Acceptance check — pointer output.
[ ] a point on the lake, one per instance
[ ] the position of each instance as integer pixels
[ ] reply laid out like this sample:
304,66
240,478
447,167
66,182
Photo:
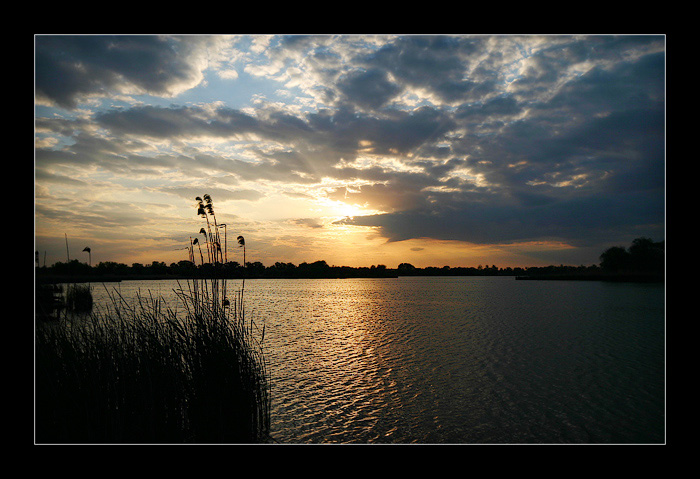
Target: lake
456,360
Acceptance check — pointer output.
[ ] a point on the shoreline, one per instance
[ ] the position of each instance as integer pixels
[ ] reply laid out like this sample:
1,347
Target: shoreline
609,277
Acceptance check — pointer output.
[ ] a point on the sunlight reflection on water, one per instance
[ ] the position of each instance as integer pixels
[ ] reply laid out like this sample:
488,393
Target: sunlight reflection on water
457,360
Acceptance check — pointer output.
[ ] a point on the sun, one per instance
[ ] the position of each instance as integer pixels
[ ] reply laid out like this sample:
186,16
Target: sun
341,208
344,210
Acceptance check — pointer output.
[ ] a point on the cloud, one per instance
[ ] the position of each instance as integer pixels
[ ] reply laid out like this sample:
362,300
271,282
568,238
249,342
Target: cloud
282,146
379,196
578,221
586,165
70,68
308,222
368,89
481,139
174,122
220,194
99,216
439,64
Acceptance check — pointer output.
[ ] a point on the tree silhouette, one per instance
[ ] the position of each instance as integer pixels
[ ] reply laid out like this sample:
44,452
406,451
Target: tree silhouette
643,255
615,258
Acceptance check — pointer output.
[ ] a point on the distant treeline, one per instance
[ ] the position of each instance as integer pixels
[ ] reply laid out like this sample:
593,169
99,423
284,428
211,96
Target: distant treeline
643,261
643,257
232,269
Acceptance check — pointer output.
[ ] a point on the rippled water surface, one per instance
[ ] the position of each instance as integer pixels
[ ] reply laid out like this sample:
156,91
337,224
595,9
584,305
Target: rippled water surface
458,359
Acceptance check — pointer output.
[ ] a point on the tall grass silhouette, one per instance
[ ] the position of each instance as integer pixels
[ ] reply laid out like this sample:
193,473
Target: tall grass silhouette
142,372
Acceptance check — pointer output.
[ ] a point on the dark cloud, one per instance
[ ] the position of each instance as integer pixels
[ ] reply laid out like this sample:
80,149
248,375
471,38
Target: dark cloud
504,105
174,122
70,67
368,89
393,133
436,63
386,197
629,84
578,221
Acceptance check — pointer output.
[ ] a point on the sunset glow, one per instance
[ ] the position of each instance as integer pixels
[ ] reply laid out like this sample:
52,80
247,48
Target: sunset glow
357,150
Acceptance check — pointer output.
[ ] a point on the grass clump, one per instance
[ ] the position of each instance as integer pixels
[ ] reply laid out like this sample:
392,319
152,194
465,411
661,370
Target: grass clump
142,373
79,298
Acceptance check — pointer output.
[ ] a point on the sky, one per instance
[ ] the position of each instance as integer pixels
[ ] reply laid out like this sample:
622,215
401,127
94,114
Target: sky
457,150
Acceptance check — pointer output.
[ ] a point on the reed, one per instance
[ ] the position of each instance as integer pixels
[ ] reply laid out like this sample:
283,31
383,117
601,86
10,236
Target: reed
79,298
144,373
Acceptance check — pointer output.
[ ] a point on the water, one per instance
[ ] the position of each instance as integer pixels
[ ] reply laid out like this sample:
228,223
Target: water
457,360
